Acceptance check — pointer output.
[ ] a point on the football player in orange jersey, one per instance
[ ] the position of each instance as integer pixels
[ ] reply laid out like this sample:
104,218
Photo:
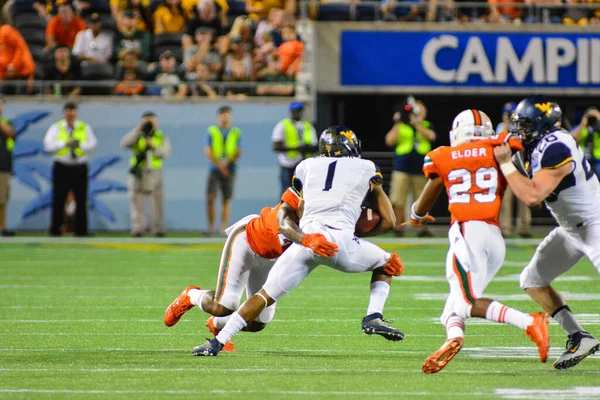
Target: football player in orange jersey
470,174
252,247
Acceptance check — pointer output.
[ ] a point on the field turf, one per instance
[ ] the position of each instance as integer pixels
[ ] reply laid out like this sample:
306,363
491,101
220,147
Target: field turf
84,321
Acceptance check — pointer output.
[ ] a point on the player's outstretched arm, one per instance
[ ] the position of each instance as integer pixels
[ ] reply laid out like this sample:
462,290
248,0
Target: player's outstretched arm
531,191
288,226
419,211
384,208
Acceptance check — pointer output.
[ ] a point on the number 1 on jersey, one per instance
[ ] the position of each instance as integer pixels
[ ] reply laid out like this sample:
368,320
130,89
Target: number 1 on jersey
330,174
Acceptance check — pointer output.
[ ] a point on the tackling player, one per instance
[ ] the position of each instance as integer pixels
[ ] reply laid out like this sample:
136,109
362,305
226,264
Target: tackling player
563,179
334,187
475,188
250,251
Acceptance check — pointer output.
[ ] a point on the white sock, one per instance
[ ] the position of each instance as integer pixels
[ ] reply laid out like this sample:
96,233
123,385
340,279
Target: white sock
379,294
498,312
235,324
455,327
196,295
220,322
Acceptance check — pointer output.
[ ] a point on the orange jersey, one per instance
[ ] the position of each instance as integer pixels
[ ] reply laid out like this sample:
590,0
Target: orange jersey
262,233
472,178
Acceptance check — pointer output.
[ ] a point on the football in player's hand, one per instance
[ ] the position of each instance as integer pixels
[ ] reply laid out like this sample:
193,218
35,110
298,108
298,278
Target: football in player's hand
368,220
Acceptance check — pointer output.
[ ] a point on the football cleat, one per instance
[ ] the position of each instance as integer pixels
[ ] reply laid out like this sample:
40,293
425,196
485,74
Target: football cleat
579,346
538,333
210,324
374,324
178,307
210,348
438,360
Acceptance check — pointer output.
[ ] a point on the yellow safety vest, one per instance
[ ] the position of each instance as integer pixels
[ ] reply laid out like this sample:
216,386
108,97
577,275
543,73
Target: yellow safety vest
10,142
585,132
406,140
226,147
157,140
292,139
79,134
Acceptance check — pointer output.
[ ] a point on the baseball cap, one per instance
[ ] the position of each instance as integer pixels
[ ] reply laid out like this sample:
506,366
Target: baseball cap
296,106
223,109
166,54
95,17
70,105
148,114
509,107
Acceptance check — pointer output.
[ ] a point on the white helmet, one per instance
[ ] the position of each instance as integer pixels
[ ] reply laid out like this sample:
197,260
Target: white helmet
470,125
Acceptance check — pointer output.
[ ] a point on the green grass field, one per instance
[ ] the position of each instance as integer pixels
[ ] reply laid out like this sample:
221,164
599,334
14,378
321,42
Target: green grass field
85,321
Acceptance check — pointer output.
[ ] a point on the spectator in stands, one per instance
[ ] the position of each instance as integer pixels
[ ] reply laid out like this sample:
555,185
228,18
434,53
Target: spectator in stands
265,53
7,144
63,28
294,139
576,15
272,25
15,58
272,74
63,69
238,64
290,52
131,85
170,17
193,7
170,79
129,62
199,86
223,150
93,45
504,11
130,38
411,136
203,53
45,8
202,16
587,134
410,12
142,17
259,9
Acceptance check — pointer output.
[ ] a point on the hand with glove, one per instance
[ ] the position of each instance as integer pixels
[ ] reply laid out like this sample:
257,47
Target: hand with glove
394,266
416,220
319,244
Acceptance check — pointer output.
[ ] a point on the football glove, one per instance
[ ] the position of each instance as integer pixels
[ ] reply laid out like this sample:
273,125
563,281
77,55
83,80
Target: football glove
394,266
417,220
319,244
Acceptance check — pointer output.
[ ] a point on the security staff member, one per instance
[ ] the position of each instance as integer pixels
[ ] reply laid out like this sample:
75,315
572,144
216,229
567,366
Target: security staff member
223,149
411,136
150,147
587,134
7,143
71,141
294,139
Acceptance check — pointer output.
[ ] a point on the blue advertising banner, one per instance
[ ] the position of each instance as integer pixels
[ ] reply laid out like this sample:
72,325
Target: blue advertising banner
470,59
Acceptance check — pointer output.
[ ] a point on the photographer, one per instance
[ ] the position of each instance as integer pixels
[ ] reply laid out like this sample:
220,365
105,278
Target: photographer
150,147
7,143
587,135
411,136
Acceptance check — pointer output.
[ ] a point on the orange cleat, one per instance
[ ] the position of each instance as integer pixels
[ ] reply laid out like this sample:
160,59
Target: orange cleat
179,307
538,333
210,324
438,360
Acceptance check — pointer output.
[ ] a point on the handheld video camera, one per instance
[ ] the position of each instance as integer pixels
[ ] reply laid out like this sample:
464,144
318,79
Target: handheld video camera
409,108
593,122
146,131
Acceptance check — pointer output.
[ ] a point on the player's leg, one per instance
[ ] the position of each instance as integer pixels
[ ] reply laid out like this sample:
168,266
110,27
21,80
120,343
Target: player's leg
256,280
288,272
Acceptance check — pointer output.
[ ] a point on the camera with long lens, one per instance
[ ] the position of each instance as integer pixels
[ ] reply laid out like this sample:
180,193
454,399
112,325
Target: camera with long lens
409,108
146,131
592,123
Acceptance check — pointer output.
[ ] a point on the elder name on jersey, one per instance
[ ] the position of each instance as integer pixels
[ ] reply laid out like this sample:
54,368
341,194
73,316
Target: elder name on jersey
466,153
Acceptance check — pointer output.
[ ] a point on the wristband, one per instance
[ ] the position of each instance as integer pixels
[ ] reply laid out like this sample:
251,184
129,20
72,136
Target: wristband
414,215
508,168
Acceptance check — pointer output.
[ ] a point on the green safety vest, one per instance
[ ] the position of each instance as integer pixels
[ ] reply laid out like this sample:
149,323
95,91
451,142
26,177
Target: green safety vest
157,140
10,142
406,140
585,132
292,139
80,134
230,145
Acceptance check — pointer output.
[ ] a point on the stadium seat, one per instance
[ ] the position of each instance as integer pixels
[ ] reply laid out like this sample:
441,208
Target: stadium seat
176,50
154,5
366,12
34,36
22,7
334,12
108,23
100,6
39,71
37,52
237,8
29,20
92,72
167,39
